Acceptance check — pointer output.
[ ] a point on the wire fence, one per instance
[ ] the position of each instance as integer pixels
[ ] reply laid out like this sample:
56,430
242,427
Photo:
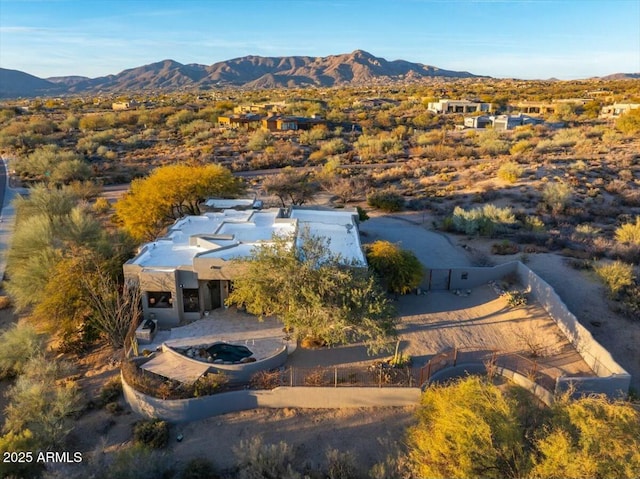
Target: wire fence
491,359
377,375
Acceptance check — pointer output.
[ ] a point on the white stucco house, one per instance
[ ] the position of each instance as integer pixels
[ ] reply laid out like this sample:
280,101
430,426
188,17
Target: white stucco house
189,272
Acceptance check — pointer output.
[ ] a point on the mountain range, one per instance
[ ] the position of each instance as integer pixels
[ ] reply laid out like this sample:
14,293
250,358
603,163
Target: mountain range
356,68
251,72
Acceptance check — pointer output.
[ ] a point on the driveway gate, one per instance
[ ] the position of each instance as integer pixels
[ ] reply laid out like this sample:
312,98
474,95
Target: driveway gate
439,279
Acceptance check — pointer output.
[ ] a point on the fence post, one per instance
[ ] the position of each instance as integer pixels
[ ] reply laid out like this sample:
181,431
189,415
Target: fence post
380,376
455,356
291,376
335,377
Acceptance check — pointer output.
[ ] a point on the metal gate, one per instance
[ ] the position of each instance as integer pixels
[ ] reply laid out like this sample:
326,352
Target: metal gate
439,279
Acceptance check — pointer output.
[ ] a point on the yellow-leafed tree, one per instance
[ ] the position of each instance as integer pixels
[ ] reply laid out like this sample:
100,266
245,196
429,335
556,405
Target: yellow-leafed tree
169,193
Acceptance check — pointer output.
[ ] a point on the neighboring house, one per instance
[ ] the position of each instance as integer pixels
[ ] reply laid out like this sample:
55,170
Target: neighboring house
274,107
509,122
271,123
288,123
124,105
481,121
500,122
617,109
445,106
190,271
546,107
375,102
248,122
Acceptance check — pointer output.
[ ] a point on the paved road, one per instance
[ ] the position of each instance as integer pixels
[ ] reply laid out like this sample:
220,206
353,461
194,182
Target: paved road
6,215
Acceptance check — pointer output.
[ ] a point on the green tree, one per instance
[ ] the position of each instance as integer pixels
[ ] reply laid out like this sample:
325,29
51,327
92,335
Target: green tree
169,193
313,292
589,437
399,269
467,429
471,428
629,123
290,185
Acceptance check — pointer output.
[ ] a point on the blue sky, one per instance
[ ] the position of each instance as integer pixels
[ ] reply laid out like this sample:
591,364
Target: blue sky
502,38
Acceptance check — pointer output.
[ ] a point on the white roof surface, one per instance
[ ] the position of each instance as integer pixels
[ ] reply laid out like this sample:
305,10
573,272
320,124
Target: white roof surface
234,234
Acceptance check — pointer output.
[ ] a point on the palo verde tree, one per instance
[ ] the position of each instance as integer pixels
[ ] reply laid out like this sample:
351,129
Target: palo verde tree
398,269
466,429
470,428
169,193
312,291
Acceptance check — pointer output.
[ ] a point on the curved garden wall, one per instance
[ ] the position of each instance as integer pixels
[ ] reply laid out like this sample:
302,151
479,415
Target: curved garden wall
183,410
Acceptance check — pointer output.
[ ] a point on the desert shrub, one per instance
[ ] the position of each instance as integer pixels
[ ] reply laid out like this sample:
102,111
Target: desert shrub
198,468
341,465
101,205
629,123
259,140
266,379
485,220
521,147
504,248
210,383
133,462
20,343
151,432
516,298
43,402
616,276
110,392
534,224
556,196
257,460
18,442
510,172
616,186
629,232
399,269
388,200
490,143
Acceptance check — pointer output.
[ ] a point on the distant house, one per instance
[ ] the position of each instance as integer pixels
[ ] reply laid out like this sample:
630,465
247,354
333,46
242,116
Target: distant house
247,122
124,105
481,121
251,121
547,107
617,109
509,122
500,122
445,106
190,271
375,102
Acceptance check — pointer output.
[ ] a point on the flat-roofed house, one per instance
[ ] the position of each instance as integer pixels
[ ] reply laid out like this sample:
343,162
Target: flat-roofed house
445,106
617,109
190,271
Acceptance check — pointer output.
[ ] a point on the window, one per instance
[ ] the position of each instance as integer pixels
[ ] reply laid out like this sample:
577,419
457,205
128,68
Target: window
464,276
159,299
190,301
